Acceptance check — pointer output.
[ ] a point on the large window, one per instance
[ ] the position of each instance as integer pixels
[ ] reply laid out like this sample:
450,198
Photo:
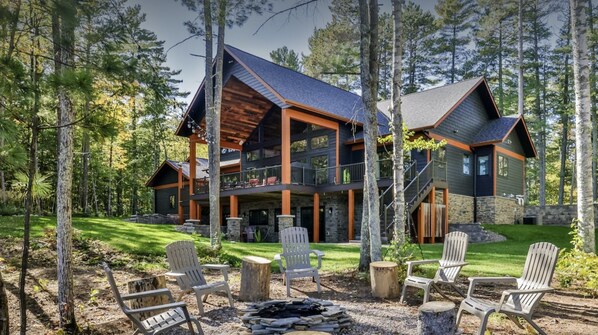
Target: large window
272,151
252,155
299,146
319,142
258,217
483,166
503,166
466,164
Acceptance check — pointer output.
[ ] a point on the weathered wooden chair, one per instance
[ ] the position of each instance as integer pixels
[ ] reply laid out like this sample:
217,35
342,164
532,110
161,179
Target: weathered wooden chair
175,312
521,302
453,259
296,252
185,267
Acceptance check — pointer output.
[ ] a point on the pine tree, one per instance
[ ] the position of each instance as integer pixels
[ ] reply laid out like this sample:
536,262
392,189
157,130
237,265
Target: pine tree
286,57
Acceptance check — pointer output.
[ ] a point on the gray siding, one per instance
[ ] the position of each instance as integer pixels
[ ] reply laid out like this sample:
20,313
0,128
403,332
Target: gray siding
485,184
513,143
513,182
421,156
162,198
467,120
458,182
168,177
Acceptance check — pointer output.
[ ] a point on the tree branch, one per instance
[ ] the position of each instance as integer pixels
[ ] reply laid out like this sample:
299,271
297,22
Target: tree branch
287,10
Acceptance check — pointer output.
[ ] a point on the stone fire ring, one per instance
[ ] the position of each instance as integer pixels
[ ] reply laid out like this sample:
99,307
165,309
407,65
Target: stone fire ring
283,316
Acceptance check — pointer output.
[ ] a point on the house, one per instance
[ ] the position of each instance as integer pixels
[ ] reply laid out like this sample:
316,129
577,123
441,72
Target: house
299,146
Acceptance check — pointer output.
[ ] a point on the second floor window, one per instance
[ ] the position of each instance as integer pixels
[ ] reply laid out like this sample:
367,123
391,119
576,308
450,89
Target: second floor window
272,151
253,155
299,146
483,168
319,142
503,166
466,164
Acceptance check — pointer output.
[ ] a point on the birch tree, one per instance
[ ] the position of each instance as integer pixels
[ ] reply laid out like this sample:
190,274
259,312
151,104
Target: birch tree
583,125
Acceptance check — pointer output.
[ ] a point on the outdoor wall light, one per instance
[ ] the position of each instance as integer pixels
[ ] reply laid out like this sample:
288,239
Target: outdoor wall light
329,210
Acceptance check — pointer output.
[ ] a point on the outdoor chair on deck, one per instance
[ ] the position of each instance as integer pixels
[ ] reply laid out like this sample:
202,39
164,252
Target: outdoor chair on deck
185,267
175,312
453,259
296,252
521,302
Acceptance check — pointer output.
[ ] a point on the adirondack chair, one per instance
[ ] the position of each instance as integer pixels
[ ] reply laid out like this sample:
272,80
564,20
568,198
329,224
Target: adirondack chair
453,259
296,252
521,302
185,267
176,312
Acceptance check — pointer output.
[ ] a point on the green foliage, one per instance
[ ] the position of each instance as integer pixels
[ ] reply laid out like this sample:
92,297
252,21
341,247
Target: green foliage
208,255
576,268
286,57
401,254
410,142
42,187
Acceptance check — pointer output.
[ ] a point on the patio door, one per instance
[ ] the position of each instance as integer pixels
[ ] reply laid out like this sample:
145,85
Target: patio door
307,221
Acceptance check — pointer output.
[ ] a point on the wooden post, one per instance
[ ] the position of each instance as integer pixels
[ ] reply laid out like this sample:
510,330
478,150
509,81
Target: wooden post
316,217
192,169
255,279
179,194
420,224
147,284
234,206
436,318
385,279
286,202
285,150
433,214
351,214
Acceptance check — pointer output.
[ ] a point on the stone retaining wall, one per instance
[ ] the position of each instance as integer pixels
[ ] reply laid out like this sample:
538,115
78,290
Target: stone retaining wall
155,218
554,215
460,208
499,210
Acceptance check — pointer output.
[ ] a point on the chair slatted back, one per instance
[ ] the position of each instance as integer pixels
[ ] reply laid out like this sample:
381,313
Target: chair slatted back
537,273
295,247
182,258
118,298
453,252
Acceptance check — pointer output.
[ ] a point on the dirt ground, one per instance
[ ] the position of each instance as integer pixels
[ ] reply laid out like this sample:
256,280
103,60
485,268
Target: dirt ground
561,312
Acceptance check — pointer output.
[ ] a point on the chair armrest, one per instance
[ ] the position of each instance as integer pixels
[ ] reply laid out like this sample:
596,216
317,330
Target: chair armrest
157,308
319,254
473,281
516,293
278,258
174,274
456,265
222,267
412,264
152,293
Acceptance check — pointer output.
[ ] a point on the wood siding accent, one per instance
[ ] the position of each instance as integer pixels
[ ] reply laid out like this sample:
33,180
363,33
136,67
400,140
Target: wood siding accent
286,203
510,153
234,206
163,186
351,214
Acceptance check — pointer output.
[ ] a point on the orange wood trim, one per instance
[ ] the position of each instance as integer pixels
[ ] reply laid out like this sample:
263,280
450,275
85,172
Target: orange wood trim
286,202
433,213
321,112
510,153
179,193
358,147
192,169
351,213
451,142
286,148
429,155
420,224
494,171
172,185
224,144
234,206
316,217
445,196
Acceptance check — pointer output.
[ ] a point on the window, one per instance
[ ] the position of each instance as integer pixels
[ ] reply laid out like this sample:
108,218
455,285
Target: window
299,146
252,155
483,166
442,154
320,164
272,151
319,142
172,201
466,164
258,217
503,166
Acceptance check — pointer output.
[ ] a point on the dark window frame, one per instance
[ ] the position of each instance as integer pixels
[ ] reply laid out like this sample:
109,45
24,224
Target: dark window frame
467,163
486,165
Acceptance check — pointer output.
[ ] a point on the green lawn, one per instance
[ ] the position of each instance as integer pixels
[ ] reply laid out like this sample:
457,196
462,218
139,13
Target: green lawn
503,258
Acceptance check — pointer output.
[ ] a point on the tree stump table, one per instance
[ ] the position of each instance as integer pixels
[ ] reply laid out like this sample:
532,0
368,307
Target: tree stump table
385,279
255,279
148,284
436,318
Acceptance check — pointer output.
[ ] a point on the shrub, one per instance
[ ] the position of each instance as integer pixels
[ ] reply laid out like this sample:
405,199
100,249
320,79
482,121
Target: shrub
577,268
401,254
207,255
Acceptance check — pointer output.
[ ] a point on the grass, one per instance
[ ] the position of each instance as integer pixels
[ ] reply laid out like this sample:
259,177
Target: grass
489,259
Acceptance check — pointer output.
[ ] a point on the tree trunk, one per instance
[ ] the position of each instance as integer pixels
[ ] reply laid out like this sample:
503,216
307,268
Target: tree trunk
520,61
540,115
365,257
85,155
565,123
144,285
255,279
453,53
135,166
384,277
397,129
593,88
501,92
4,317
110,180
64,229
583,125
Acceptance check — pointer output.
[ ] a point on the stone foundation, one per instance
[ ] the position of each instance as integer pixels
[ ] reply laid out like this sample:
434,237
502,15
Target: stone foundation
284,222
233,229
554,215
460,208
499,210
155,218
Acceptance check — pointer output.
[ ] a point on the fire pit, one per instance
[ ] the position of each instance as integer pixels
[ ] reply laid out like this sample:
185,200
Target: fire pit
282,316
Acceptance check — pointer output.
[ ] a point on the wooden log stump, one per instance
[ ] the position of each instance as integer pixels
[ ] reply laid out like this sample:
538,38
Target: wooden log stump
436,318
148,284
385,279
255,279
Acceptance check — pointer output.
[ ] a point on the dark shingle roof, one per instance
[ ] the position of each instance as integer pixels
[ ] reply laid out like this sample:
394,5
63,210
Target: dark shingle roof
424,109
495,130
297,87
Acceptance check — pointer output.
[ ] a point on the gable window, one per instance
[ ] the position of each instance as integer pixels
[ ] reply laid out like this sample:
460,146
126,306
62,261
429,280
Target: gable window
503,166
258,217
252,155
466,164
299,146
172,201
319,142
483,166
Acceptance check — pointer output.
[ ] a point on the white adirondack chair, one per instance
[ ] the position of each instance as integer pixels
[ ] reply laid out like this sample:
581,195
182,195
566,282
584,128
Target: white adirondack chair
521,302
296,252
185,267
453,259
175,312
